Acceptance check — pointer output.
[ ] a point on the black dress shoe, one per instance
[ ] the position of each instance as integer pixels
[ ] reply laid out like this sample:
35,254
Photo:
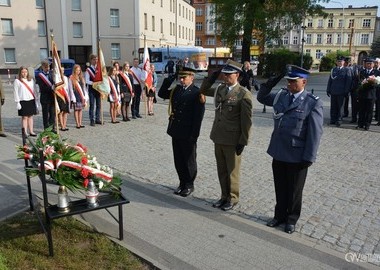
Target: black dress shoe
290,228
92,124
228,206
178,190
219,203
186,191
3,135
98,122
138,116
33,135
274,223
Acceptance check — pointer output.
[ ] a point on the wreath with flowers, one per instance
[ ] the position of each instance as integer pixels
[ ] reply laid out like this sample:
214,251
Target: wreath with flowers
67,164
369,83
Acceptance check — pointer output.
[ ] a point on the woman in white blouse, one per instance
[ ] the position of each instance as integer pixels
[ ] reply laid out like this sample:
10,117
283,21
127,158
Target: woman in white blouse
25,97
78,94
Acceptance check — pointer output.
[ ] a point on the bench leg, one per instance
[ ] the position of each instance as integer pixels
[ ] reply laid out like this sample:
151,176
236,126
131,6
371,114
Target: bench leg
121,227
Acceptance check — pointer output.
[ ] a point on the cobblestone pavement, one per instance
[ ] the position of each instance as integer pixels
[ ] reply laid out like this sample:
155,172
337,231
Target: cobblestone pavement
341,205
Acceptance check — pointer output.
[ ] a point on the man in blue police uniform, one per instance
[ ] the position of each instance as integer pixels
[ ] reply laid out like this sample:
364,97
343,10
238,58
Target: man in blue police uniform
338,87
185,118
298,121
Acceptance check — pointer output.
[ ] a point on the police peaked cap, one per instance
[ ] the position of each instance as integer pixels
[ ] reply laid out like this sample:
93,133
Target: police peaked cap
296,72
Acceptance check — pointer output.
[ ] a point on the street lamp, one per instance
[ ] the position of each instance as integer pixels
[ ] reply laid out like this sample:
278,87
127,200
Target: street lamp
341,30
303,27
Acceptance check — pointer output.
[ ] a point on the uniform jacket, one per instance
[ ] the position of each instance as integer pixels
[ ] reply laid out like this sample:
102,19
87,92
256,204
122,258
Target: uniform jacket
340,81
186,112
297,127
46,91
367,92
233,114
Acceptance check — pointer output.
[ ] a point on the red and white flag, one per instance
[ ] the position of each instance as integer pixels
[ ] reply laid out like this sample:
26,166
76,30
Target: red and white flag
57,74
101,83
146,68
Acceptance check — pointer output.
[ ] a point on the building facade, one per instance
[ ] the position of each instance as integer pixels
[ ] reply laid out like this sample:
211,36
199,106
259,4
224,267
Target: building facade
347,29
121,26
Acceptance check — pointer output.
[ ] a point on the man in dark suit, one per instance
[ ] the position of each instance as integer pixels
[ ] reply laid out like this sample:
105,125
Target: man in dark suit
367,94
185,119
45,83
230,130
298,121
338,87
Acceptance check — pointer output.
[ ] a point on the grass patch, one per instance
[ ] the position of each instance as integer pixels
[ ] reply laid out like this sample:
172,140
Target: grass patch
23,245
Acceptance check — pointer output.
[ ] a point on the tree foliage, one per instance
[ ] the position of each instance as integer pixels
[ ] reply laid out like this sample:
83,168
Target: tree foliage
241,17
375,48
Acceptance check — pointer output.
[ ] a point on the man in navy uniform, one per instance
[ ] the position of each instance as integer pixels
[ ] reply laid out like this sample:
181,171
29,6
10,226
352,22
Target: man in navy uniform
338,87
230,130
367,94
298,121
185,119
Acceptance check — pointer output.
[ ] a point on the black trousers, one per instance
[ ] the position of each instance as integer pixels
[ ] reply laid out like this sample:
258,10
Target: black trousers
136,100
336,108
48,114
365,112
354,105
289,180
185,161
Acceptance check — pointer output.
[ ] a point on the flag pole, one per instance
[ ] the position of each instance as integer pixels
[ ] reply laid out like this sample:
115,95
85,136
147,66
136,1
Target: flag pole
145,86
101,95
55,95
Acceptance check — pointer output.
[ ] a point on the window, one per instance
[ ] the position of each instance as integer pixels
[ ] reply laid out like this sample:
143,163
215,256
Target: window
198,26
41,28
179,7
10,55
366,23
114,18
145,21
162,3
39,3
308,39
349,38
338,38
364,39
328,51
319,38
320,23
179,31
43,53
309,23
210,41
199,12
198,41
318,54
330,23
171,29
161,26
115,51
285,41
340,23
7,26
77,30
238,42
329,39
76,5
308,51
295,40
351,23
153,24
211,26
254,42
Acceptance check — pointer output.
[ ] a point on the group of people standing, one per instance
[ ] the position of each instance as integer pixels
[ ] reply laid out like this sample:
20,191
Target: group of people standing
298,121
78,91
357,82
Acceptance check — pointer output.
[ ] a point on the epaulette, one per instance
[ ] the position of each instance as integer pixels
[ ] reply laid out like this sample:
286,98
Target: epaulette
313,96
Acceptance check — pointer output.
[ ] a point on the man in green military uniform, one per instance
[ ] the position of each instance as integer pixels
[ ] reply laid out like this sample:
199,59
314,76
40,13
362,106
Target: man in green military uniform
230,130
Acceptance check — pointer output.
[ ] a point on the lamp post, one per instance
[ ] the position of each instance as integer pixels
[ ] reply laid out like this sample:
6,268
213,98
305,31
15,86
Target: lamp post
342,26
303,27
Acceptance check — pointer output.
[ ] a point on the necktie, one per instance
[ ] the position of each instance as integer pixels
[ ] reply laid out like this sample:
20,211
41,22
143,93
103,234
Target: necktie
291,97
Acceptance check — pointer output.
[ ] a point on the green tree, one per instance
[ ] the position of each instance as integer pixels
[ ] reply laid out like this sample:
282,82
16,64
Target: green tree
242,17
375,48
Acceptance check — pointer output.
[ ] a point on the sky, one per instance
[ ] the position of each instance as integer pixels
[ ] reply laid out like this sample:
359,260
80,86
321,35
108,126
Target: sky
354,3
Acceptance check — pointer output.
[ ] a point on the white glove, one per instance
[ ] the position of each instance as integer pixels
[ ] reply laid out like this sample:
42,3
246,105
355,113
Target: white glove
37,106
18,106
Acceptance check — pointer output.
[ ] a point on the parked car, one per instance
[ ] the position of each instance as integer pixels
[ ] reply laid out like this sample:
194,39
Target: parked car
66,63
